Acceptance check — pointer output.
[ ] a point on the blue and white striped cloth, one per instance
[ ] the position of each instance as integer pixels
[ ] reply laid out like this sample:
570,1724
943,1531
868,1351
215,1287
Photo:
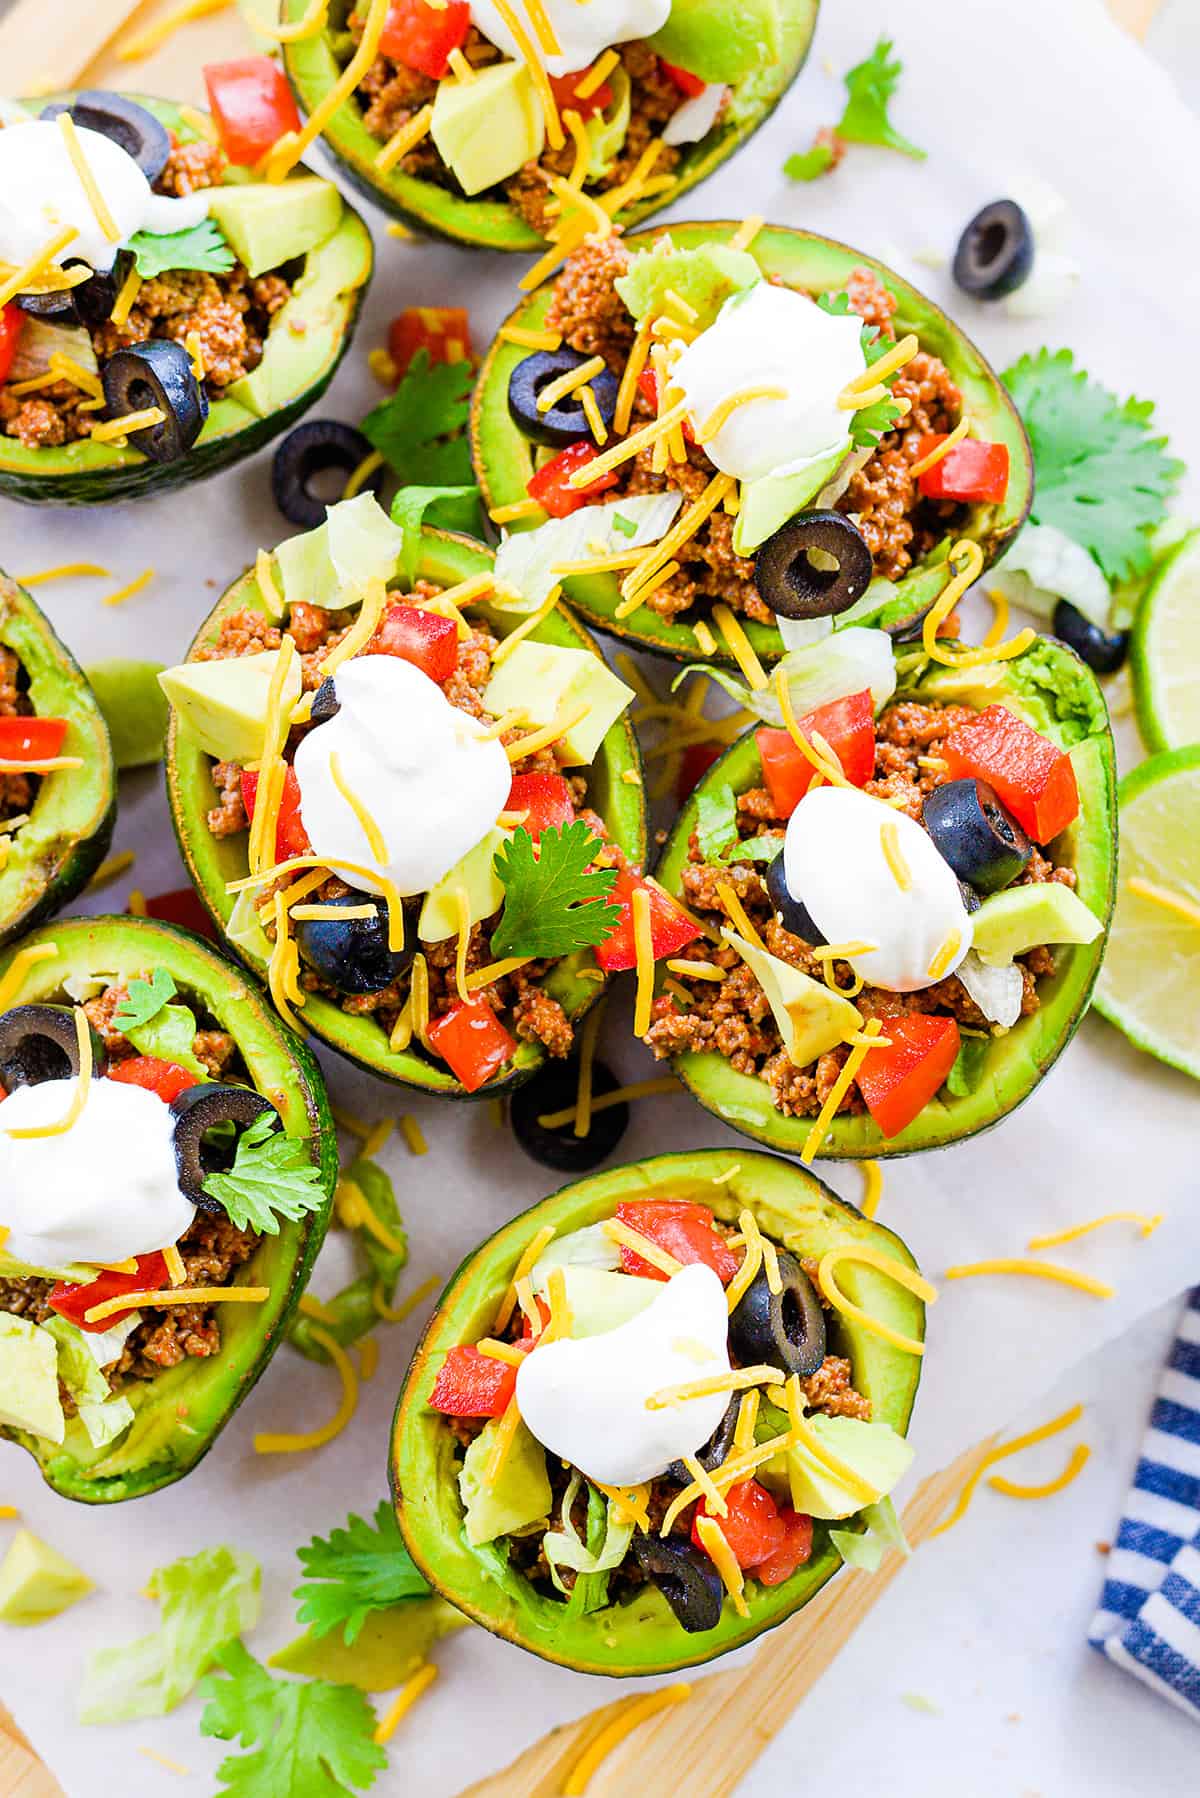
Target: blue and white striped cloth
1149,1616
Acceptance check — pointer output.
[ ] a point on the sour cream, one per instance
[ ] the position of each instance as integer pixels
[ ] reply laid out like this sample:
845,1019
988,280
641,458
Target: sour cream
772,337
40,192
419,767
586,1400
101,1191
836,865
582,30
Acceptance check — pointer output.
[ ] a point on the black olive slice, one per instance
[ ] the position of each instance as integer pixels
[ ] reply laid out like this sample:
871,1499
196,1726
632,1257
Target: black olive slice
553,1089
89,304
132,126
995,252
791,913
54,308
792,584
38,1042
785,1329
352,954
715,1450
325,703
322,447
686,1578
566,422
1102,653
157,373
971,830
196,1112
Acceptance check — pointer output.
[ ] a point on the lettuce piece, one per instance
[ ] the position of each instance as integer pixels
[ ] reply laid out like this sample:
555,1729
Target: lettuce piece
525,562
102,1413
590,1246
331,566
564,1548
884,1530
997,991
841,664
1043,566
169,1035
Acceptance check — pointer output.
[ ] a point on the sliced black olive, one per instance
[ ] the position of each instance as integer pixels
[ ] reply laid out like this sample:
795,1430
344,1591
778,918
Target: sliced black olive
90,304
1101,652
791,913
971,830
792,584
55,308
566,422
553,1089
995,252
325,704
196,1112
38,1042
686,1578
157,373
785,1329
352,954
137,131
322,448
715,1450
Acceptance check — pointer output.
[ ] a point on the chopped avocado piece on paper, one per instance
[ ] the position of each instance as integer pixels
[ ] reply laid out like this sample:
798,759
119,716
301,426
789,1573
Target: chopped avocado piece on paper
29,1379
475,873
876,1452
599,1301
546,682
812,1018
134,708
704,277
269,224
486,129
519,1497
223,705
331,566
36,1582
388,1648
721,40
1009,923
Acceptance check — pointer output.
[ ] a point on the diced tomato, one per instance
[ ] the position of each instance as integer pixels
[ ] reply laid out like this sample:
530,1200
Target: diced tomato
971,471
182,906
73,1301
252,105
753,1527
683,1229
473,1040
291,838
648,387
444,331
166,1079
1028,773
550,485
31,739
426,639
586,105
11,320
422,36
898,1082
847,725
670,929
796,1549
469,1384
546,798
684,80
697,759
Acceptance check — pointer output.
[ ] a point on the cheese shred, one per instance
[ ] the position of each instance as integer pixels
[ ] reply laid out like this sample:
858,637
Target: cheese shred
1028,1440
837,1093
1036,1270
867,1256
404,1700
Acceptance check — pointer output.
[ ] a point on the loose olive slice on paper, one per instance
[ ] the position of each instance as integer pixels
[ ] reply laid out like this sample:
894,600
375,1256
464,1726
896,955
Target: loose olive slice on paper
995,252
321,448
39,1042
795,585
199,1111
686,1578
554,1089
157,373
785,1329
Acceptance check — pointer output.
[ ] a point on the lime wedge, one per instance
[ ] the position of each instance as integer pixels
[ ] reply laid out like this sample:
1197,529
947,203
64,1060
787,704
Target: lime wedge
1149,983
134,707
1165,652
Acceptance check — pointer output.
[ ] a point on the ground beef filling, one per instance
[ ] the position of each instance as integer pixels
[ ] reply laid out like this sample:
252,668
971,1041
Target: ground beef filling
733,1018
17,791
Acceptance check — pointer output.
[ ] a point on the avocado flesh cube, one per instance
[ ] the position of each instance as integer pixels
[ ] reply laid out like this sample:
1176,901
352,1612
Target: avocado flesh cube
769,502
874,1451
488,128
1009,923
811,1017
387,1650
599,1301
268,224
704,277
36,1582
29,1379
223,704
721,40
517,1499
545,682
473,874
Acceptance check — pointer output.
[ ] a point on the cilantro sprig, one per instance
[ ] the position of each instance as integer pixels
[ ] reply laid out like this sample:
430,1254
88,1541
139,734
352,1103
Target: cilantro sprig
870,87
869,423
420,431
200,247
144,1000
308,1739
271,1177
354,1571
551,896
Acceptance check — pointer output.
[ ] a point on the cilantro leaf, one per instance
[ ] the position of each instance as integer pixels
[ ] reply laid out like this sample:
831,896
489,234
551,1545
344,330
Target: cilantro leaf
420,431
716,822
144,1000
361,1568
808,165
550,898
1102,477
271,1177
869,423
309,1739
201,246
869,88
756,849
450,508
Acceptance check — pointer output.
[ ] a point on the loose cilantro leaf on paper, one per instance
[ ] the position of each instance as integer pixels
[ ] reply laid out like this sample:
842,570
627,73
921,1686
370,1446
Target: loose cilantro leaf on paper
200,247
1102,476
309,1738
271,1177
808,165
716,822
870,86
144,1000
420,431
550,898
450,508
869,423
360,1569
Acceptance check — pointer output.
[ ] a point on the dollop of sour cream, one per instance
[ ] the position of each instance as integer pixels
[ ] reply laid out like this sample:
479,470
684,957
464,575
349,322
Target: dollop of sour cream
836,865
420,768
40,192
582,30
586,1400
770,336
101,1191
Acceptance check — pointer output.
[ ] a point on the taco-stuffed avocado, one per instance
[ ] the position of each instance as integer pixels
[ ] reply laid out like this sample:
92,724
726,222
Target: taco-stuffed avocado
555,1475
926,856
446,118
164,1141
430,917
175,290
58,784
809,460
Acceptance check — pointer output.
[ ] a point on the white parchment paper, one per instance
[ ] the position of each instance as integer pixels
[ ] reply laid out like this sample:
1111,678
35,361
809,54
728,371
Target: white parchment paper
998,90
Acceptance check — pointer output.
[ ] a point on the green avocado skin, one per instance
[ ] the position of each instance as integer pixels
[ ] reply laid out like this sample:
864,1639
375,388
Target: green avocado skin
804,260
640,1635
179,1414
92,474
70,827
492,224
1054,692
212,862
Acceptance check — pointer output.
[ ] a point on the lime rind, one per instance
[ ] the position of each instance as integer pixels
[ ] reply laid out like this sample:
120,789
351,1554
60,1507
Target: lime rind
1164,654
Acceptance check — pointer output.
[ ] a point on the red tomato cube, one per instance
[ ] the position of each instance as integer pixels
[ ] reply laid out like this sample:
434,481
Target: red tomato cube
1028,773
252,105
898,1082
847,725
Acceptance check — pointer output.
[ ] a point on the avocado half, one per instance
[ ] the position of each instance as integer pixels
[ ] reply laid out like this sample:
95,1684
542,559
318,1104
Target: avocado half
487,222
71,824
1054,692
802,259
640,1634
212,862
179,1414
310,335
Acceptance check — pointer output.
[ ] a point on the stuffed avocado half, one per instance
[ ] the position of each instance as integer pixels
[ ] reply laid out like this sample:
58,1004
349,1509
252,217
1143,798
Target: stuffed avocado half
593,1544
483,160
209,308
463,866
814,470
156,1113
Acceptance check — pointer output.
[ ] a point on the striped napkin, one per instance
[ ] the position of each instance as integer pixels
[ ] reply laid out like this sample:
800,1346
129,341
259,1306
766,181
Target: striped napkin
1149,1616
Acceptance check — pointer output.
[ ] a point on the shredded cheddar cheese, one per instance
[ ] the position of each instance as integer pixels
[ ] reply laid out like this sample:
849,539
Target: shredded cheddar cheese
295,1443
406,138
872,1175
176,1272
521,508
1081,1454
944,955
632,446
178,1295
366,822
1028,1440
867,1256
746,232
621,1095
736,1380
720,415
893,855
566,384
1146,1225
641,1245
636,1711
286,153
837,1093
95,199
527,339
128,591
889,364
22,278
114,429
639,595
942,450
311,23
404,1700
532,1251
737,912
144,43
409,1305
721,1555
747,1273
130,288
537,72
804,1434
64,571
502,1447
1036,1270
550,733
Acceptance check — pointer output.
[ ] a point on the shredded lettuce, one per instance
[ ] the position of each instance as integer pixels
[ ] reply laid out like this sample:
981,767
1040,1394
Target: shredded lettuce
844,663
102,1414
589,1247
1043,566
564,1548
525,562
884,1530
996,991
